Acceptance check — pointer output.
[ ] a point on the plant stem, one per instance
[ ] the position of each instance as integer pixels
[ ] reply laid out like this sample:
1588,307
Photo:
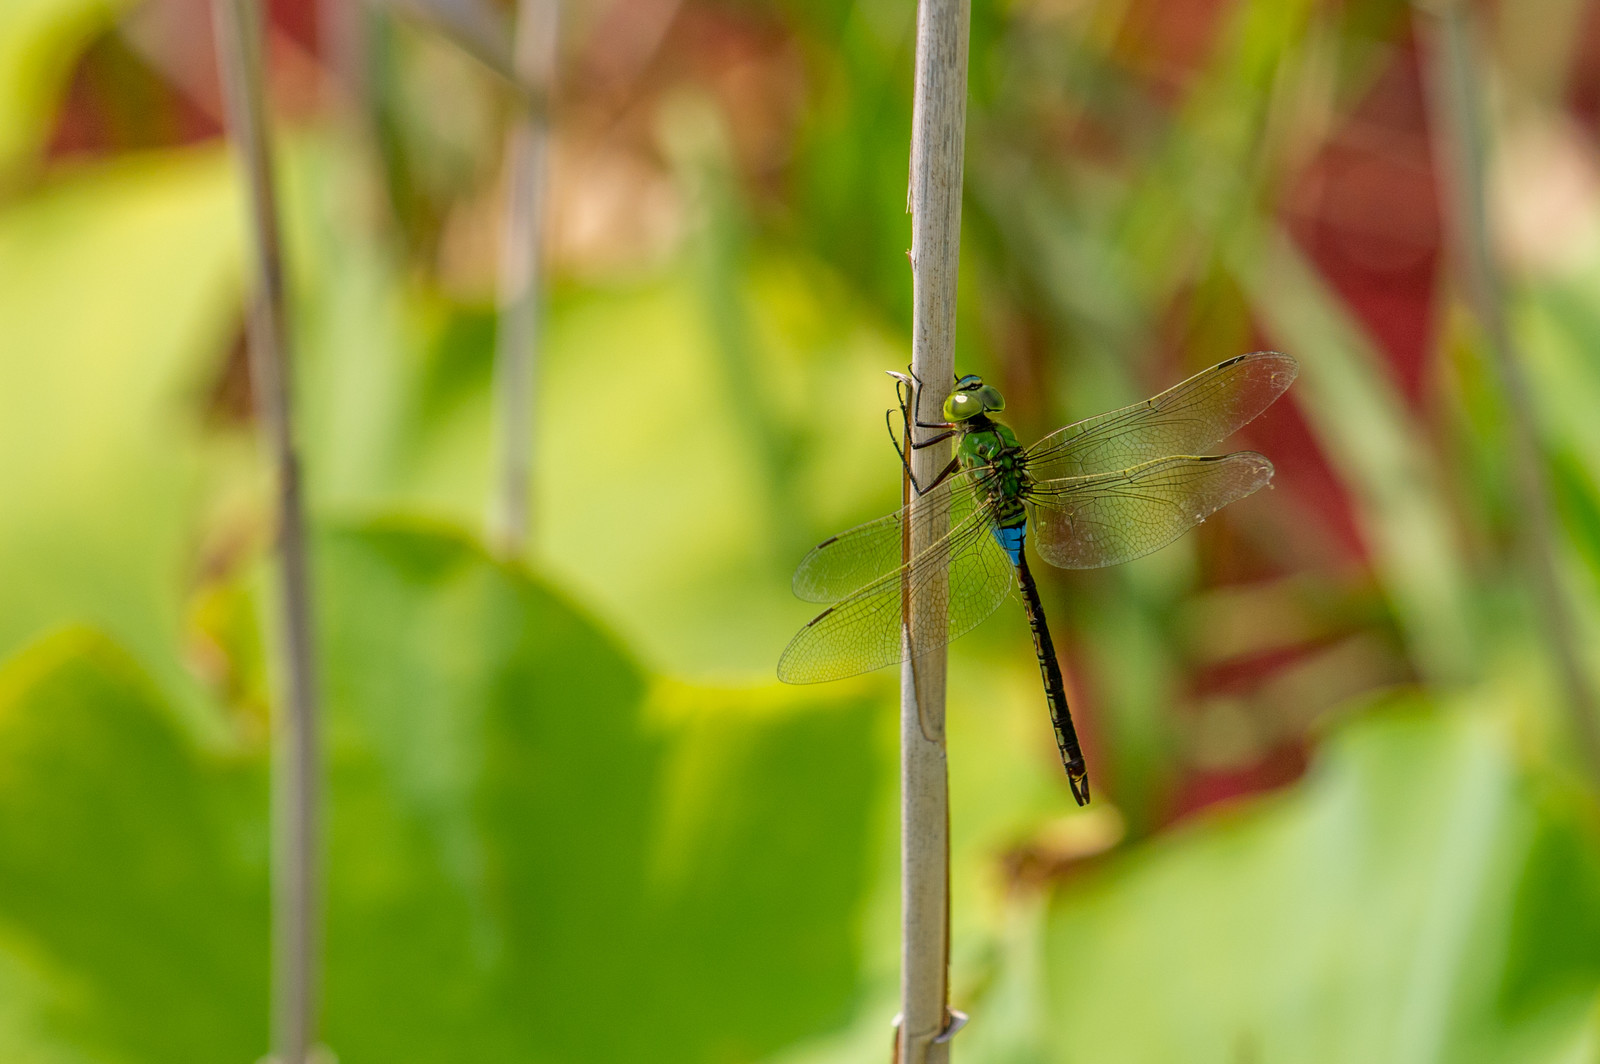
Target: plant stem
296,835
938,132
1457,100
516,362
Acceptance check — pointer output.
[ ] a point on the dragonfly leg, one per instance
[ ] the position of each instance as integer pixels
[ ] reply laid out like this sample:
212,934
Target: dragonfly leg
903,386
905,460
906,388
888,424
903,392
931,440
948,471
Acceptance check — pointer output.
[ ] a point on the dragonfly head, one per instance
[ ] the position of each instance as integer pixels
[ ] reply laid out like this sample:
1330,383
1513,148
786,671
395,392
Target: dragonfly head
971,398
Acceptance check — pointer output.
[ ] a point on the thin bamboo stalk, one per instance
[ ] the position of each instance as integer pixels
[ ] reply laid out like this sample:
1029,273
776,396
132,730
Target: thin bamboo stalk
1456,98
938,133
521,295
296,791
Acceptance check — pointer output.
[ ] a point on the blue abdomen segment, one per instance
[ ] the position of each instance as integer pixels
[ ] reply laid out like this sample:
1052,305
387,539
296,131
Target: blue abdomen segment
1011,539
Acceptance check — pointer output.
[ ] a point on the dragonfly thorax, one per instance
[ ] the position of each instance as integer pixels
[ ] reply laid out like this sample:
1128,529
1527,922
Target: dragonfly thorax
991,450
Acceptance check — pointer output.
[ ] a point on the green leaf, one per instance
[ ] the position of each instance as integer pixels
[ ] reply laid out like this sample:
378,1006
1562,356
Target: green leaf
129,869
535,851
1362,917
550,853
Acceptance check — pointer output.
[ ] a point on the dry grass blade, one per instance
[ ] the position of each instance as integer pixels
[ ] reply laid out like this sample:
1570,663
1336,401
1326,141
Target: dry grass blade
516,362
1456,96
296,827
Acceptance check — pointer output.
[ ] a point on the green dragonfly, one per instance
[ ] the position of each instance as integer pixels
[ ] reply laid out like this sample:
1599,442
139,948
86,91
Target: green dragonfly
1099,492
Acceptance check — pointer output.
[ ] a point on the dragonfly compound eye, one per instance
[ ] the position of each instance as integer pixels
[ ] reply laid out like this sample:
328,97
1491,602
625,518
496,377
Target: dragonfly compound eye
969,402
962,405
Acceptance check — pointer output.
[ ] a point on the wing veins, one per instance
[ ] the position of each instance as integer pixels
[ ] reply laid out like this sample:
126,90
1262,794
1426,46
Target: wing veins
841,565
822,650
1168,414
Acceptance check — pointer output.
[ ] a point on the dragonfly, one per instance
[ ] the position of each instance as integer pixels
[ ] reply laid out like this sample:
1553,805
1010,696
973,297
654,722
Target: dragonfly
1098,492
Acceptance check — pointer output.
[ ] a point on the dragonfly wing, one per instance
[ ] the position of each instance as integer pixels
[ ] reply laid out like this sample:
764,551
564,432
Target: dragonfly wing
865,632
1088,522
1188,418
851,560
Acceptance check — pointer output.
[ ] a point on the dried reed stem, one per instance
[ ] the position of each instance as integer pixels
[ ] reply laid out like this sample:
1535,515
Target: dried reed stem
521,290
296,835
938,132
1456,95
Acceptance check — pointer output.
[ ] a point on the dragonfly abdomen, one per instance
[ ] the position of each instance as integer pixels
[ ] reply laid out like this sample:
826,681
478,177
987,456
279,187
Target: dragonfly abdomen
1011,539
1010,524
1055,688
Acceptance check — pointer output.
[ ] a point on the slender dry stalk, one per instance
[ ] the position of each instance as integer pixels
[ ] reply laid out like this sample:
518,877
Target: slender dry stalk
296,835
521,295
938,133
1456,98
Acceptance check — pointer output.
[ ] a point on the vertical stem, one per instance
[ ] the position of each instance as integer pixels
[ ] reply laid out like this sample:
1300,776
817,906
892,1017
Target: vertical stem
938,132
527,150
296,941
1456,97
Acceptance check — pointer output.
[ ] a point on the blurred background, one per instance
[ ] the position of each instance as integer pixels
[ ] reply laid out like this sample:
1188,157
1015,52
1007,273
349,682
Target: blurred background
1343,810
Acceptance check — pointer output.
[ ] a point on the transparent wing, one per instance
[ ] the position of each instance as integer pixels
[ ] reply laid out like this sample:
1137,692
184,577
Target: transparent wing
1088,522
852,560
863,632
1187,418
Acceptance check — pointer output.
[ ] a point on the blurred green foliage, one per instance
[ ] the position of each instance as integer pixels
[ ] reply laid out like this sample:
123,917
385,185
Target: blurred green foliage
571,815
517,815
